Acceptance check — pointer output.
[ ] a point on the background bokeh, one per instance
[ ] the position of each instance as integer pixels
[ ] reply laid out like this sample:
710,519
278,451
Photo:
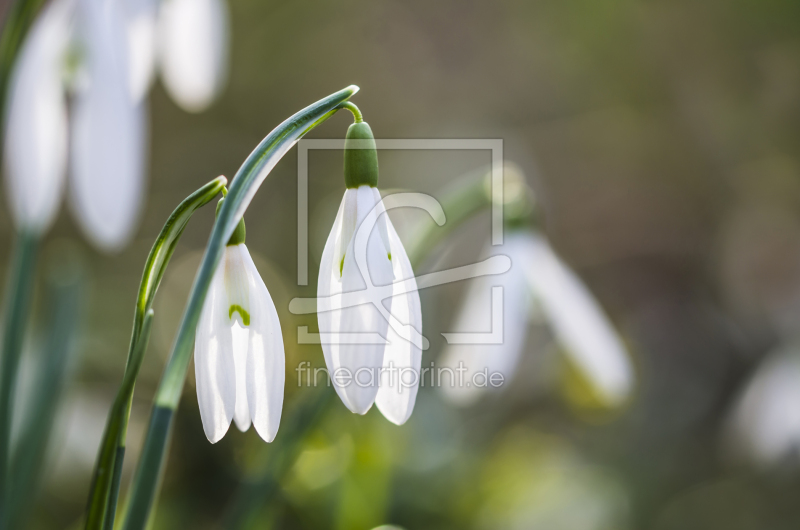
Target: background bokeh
661,139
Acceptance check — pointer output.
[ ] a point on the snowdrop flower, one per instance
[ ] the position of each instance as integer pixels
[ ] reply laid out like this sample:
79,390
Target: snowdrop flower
764,426
193,50
108,133
105,132
363,253
35,137
239,356
140,28
538,280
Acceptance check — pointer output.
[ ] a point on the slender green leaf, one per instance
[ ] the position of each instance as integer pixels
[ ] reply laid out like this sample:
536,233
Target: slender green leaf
19,292
243,187
105,482
64,303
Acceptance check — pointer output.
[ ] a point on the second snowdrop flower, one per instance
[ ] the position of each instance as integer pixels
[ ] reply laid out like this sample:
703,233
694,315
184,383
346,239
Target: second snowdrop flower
538,279
368,360
239,355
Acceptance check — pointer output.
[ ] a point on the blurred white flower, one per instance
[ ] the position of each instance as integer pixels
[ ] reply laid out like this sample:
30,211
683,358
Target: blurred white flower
239,356
193,50
354,255
764,426
35,136
538,280
106,134
141,27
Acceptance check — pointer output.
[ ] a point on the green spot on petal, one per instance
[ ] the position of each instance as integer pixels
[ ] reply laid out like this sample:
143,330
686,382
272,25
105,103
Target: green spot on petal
341,267
390,256
242,312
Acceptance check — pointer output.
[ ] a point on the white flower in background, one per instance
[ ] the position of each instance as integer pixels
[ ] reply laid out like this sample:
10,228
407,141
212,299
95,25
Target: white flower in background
35,136
105,132
476,316
765,424
193,50
355,253
141,24
239,355
579,324
108,132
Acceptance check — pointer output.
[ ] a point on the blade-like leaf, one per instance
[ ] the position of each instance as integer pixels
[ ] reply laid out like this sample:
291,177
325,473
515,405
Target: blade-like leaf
243,187
64,297
19,292
102,499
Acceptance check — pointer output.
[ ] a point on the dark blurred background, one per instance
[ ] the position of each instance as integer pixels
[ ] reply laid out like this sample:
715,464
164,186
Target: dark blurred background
661,139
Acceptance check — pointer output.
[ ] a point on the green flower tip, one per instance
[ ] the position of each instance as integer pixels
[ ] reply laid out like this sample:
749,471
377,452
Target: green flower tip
236,308
239,233
360,156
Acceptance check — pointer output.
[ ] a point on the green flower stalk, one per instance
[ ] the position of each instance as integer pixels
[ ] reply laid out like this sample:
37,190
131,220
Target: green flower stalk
105,481
243,188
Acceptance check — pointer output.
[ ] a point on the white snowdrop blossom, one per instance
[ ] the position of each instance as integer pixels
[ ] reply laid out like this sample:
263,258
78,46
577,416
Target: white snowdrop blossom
764,426
35,137
239,354
366,281
193,50
141,22
538,279
78,45
108,133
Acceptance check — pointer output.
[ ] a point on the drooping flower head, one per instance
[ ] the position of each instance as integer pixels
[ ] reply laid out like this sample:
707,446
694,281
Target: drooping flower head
538,281
361,308
239,353
76,45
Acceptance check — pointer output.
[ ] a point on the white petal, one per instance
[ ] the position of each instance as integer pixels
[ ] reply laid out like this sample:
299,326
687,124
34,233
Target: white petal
237,283
383,220
108,128
193,49
215,371
240,340
475,316
766,420
266,371
366,257
140,22
329,284
579,322
398,391
349,212
35,146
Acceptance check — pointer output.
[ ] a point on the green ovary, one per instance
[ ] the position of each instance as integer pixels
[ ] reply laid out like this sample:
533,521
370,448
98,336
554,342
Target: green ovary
244,314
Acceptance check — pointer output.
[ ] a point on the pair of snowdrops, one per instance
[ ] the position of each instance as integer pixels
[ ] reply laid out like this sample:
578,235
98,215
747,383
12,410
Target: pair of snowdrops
239,351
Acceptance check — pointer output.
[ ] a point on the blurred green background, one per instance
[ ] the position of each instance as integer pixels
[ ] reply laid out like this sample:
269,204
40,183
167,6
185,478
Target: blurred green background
661,139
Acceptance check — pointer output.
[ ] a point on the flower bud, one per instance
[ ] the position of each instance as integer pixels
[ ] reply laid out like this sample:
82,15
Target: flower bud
360,157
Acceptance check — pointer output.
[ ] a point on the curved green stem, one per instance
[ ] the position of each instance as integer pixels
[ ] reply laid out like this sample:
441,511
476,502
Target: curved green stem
105,481
354,110
243,187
